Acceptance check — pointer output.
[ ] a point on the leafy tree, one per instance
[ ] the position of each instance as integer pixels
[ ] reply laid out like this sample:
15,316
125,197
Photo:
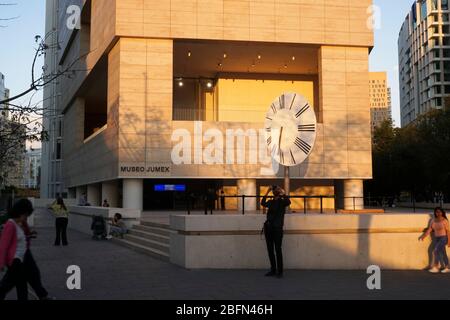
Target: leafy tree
415,158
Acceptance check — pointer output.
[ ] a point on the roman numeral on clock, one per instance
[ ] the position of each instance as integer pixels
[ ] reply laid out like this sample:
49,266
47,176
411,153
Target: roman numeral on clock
292,103
302,145
302,110
307,128
282,102
274,109
269,141
281,156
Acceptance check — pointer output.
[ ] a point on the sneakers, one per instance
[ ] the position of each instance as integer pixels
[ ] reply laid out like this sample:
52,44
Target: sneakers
445,270
270,274
434,270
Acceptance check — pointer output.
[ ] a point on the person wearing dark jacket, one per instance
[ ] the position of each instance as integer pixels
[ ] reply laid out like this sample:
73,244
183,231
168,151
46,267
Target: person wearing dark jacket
273,228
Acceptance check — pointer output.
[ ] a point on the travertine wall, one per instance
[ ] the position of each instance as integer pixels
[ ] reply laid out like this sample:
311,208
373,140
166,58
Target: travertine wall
332,22
94,159
138,37
346,114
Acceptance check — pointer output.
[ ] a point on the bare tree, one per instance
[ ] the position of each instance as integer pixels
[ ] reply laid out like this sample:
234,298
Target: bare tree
3,20
22,122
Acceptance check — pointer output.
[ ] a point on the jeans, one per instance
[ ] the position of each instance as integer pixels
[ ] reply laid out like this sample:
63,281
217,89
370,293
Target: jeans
274,239
33,275
61,231
117,231
15,277
440,252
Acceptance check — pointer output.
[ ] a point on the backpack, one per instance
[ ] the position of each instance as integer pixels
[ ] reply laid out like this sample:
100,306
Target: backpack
98,225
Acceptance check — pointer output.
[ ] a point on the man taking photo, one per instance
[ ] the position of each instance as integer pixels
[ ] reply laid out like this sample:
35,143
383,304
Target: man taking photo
273,228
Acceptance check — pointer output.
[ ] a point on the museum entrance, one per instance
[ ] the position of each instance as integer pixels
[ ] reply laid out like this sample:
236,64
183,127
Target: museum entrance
168,194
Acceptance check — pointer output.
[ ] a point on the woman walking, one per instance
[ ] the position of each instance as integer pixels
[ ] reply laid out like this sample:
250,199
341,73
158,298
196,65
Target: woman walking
440,226
62,219
13,247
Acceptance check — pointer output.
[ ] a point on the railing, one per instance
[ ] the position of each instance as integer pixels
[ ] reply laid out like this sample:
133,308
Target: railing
189,114
356,203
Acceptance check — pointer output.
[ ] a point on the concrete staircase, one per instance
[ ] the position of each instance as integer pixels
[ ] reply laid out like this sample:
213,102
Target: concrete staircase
148,237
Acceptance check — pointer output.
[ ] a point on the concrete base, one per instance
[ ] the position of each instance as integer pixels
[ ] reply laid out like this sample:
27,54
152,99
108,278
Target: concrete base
311,242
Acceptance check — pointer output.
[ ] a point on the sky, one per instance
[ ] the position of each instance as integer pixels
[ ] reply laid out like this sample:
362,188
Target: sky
384,56
17,43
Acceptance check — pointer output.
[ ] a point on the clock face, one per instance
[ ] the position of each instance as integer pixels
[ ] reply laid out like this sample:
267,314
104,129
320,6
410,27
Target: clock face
291,129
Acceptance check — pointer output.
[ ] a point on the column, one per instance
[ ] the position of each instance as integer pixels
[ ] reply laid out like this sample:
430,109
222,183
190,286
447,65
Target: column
133,194
353,194
93,195
247,187
72,193
110,193
80,191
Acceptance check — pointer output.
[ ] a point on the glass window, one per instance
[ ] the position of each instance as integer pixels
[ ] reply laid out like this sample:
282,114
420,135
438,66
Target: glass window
58,150
423,11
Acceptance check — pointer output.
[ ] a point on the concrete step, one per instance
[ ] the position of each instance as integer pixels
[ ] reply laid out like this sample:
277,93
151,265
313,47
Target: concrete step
143,249
150,236
149,223
152,229
160,246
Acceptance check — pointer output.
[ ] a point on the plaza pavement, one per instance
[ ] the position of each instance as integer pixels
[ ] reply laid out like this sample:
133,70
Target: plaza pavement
110,271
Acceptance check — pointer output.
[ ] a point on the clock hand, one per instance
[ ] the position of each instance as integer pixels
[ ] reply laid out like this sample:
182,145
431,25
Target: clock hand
281,134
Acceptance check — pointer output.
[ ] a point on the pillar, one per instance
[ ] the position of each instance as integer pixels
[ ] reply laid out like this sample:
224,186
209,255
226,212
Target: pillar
247,187
80,191
110,192
350,194
72,193
133,194
93,195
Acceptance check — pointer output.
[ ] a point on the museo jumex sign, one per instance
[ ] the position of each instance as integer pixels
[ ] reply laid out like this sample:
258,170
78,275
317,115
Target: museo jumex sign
146,170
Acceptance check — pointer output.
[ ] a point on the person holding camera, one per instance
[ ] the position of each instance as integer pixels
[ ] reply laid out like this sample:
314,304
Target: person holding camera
273,228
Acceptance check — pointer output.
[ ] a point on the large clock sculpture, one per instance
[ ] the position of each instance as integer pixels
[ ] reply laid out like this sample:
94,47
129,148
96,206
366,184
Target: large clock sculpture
291,129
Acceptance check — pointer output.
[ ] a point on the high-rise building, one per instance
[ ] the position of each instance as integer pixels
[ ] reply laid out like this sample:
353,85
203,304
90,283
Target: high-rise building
52,183
424,58
4,94
13,141
172,96
380,99
32,169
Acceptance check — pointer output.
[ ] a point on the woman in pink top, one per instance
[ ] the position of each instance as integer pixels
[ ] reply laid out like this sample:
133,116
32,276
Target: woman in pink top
13,248
440,226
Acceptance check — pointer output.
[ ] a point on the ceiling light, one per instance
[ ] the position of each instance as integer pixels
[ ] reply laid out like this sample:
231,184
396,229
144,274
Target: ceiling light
259,57
180,83
220,64
189,54
209,84
293,58
225,55
285,66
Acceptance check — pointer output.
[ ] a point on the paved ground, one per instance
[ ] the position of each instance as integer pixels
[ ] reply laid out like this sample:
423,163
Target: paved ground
110,271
